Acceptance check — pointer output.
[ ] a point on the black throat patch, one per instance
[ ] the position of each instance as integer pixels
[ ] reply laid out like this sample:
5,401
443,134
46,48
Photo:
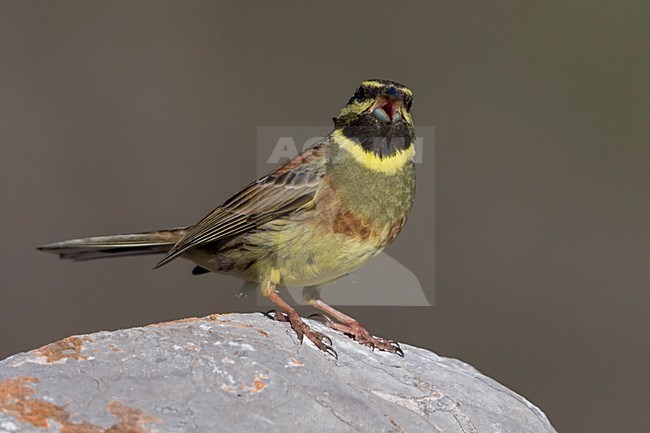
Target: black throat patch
384,140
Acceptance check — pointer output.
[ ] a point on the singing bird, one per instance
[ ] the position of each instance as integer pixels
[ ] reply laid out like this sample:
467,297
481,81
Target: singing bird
309,222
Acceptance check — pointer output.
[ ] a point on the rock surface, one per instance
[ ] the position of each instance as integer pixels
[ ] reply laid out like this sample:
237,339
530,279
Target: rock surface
246,373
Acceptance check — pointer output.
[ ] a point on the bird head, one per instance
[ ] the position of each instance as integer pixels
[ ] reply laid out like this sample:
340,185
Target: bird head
378,118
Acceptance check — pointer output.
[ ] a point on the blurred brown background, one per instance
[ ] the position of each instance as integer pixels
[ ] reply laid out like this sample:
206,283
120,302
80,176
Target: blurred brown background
128,116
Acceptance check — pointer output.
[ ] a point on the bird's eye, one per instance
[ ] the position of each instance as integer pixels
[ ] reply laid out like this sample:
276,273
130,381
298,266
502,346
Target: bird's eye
361,93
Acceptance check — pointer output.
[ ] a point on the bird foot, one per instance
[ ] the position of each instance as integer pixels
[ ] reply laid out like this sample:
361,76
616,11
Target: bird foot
359,334
322,341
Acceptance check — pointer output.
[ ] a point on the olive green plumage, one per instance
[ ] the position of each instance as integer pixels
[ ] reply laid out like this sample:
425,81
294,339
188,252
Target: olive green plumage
312,220
379,197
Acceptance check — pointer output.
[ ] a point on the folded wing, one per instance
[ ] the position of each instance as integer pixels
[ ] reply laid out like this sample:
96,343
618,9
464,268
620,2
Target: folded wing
285,190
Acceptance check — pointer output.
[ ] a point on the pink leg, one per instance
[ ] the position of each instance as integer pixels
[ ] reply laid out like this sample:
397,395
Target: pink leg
353,328
289,314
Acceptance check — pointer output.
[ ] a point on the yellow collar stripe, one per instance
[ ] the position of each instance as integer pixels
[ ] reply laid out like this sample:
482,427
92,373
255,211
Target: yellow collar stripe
388,164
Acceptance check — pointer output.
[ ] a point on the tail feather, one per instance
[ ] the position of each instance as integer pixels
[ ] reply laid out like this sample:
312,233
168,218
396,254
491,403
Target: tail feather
101,247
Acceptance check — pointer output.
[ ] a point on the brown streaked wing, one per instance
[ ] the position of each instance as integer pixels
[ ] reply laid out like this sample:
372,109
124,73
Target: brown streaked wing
284,190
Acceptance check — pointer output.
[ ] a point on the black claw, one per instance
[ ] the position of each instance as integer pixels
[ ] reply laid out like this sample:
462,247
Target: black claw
268,314
317,316
331,351
325,337
399,351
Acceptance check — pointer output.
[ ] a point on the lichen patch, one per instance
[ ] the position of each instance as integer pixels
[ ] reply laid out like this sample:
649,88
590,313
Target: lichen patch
258,384
243,325
17,399
70,347
294,362
210,318
132,420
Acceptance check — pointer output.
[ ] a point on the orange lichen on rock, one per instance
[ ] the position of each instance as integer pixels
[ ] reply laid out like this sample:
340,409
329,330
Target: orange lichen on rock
210,318
229,389
257,385
296,362
63,349
244,325
132,420
17,399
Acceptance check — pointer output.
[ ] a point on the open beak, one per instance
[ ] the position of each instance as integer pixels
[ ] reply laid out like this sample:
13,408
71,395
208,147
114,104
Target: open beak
387,109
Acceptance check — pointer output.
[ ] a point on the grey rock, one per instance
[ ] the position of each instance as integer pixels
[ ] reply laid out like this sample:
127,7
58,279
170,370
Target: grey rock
246,373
